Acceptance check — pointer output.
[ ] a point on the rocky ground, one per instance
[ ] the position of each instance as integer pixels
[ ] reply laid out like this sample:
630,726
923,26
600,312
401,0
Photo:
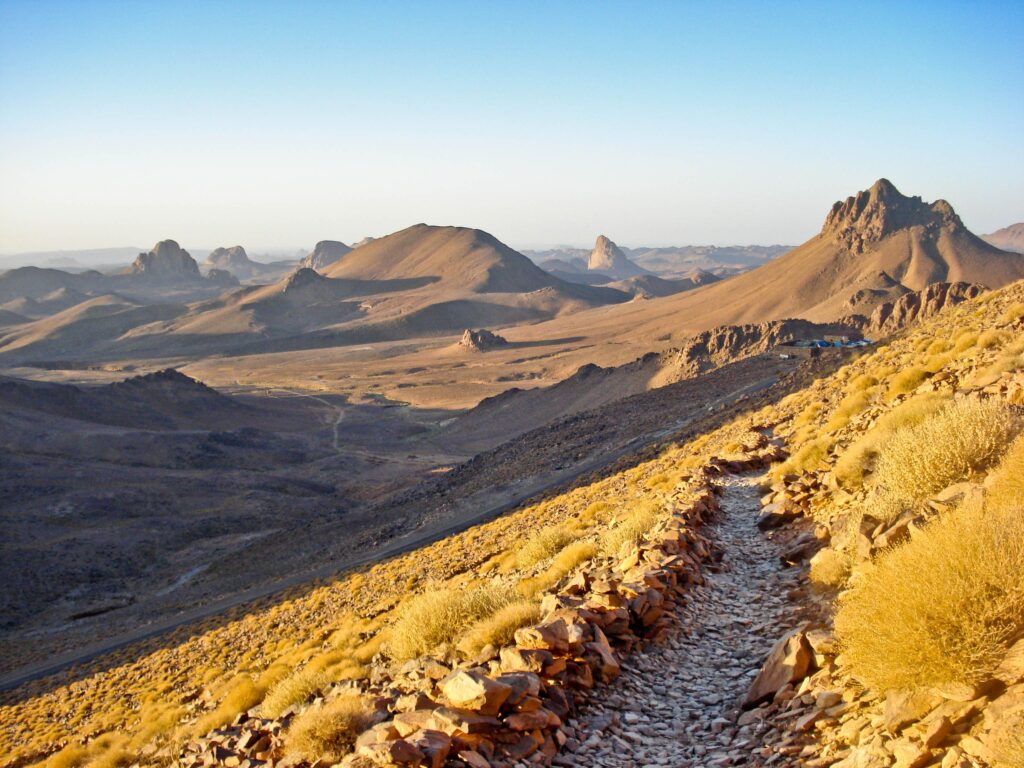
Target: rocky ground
678,704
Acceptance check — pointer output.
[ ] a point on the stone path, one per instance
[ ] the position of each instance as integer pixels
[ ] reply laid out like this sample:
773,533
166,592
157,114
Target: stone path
676,703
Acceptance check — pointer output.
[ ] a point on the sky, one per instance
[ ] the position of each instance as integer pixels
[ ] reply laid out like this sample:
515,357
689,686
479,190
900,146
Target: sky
278,124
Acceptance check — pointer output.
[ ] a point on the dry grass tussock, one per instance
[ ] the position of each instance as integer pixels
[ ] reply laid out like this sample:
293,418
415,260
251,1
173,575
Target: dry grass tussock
500,628
542,546
1007,742
939,609
631,528
1006,485
438,616
294,689
326,733
964,437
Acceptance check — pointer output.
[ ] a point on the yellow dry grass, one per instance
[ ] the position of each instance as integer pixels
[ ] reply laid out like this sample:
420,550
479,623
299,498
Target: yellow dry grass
499,629
439,616
294,689
328,732
966,436
631,528
542,546
939,609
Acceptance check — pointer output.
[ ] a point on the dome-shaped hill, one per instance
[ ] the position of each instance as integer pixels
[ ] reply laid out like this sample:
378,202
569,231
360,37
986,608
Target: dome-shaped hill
458,257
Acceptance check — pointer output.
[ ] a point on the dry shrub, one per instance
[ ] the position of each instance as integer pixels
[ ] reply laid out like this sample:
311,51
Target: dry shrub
849,406
861,383
1006,485
499,630
854,464
939,609
295,689
596,512
542,546
438,616
327,733
575,555
966,436
906,381
939,346
630,529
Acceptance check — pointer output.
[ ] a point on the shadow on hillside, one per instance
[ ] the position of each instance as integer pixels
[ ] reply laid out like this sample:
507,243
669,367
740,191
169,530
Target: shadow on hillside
439,490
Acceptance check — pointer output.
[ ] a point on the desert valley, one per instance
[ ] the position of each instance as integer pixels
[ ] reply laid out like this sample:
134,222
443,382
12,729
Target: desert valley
308,484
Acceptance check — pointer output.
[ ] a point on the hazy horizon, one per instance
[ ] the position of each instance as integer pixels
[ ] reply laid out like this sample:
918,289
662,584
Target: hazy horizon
667,124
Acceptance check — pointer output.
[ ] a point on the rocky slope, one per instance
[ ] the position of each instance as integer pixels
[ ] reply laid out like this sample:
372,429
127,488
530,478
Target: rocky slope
324,254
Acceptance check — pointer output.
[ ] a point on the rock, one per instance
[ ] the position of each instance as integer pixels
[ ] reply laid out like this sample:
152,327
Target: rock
788,662
450,721
471,690
905,707
1011,668
552,636
481,340
324,253
168,261
607,666
776,515
390,752
937,732
909,754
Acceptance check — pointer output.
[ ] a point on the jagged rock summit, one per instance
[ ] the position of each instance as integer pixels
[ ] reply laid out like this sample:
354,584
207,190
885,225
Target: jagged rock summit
166,260
325,253
609,259
482,340
864,219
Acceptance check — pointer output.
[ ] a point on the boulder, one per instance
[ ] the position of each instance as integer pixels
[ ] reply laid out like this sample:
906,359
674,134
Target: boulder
789,661
471,690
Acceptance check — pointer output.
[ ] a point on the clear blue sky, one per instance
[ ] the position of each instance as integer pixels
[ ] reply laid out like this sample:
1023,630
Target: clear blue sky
282,123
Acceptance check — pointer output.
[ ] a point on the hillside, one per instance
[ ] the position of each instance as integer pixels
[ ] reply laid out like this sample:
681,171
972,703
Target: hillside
420,282
562,590
1009,238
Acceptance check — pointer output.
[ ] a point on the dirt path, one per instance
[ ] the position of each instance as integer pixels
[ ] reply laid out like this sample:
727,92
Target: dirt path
676,703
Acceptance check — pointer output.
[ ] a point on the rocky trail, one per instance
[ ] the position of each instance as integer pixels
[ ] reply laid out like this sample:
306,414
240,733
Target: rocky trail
677,704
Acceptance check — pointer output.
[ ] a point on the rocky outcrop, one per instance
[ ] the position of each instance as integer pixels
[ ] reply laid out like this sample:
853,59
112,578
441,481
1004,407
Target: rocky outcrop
482,340
325,253
166,261
918,305
864,219
222,278
609,259
233,259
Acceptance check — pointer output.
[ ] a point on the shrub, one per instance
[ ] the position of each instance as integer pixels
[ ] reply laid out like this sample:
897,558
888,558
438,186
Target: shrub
71,756
438,616
1006,487
991,338
295,689
328,732
810,456
596,512
542,546
848,407
939,609
861,383
500,629
906,381
631,529
965,436
965,341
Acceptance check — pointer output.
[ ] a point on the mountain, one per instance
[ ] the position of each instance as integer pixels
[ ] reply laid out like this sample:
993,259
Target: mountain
677,261
166,261
651,286
609,259
422,281
1009,238
325,253
233,259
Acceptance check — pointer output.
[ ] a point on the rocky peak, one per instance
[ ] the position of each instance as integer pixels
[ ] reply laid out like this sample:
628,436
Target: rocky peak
228,258
482,340
167,259
608,258
872,215
325,253
301,278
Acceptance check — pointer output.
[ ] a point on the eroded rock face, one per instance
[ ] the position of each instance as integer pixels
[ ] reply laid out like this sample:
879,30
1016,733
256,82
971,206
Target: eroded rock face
482,340
325,253
609,259
869,216
232,259
166,260
919,305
